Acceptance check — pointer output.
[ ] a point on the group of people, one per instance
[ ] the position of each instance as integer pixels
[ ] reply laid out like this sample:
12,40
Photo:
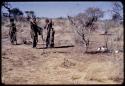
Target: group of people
34,32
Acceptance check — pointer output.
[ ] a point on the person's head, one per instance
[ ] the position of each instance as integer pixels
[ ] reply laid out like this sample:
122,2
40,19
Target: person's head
50,20
34,19
11,20
47,20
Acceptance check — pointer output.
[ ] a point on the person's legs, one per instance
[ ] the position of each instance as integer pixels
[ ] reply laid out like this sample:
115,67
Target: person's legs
47,39
12,38
15,39
31,33
52,39
35,40
47,42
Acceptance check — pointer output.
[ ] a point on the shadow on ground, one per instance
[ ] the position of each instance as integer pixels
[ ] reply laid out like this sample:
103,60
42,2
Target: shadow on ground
64,46
58,47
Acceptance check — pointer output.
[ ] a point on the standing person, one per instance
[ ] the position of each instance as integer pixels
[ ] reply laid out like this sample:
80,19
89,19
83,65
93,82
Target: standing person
50,33
34,32
12,32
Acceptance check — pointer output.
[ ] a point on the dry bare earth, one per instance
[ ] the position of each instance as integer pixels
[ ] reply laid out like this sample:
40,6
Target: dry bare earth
21,64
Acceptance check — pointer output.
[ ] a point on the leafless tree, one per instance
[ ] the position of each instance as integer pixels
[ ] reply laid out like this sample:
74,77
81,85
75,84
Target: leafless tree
94,12
117,9
85,23
13,12
17,14
7,6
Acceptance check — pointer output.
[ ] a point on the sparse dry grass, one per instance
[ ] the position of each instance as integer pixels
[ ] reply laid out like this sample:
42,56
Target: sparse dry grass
21,64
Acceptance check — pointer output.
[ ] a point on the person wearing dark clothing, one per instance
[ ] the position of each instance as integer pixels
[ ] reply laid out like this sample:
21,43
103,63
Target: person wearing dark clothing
12,32
52,37
34,32
50,33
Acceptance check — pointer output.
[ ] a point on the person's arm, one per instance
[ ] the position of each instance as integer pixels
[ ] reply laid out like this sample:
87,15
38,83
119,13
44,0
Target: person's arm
46,26
34,23
31,25
10,29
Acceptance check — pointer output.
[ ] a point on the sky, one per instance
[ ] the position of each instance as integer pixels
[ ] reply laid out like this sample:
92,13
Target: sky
60,9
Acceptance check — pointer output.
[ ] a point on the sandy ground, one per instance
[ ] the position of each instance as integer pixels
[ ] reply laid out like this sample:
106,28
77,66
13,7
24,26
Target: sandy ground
64,64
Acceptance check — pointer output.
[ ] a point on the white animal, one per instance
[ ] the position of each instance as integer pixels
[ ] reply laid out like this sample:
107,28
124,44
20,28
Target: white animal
99,49
116,51
102,49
